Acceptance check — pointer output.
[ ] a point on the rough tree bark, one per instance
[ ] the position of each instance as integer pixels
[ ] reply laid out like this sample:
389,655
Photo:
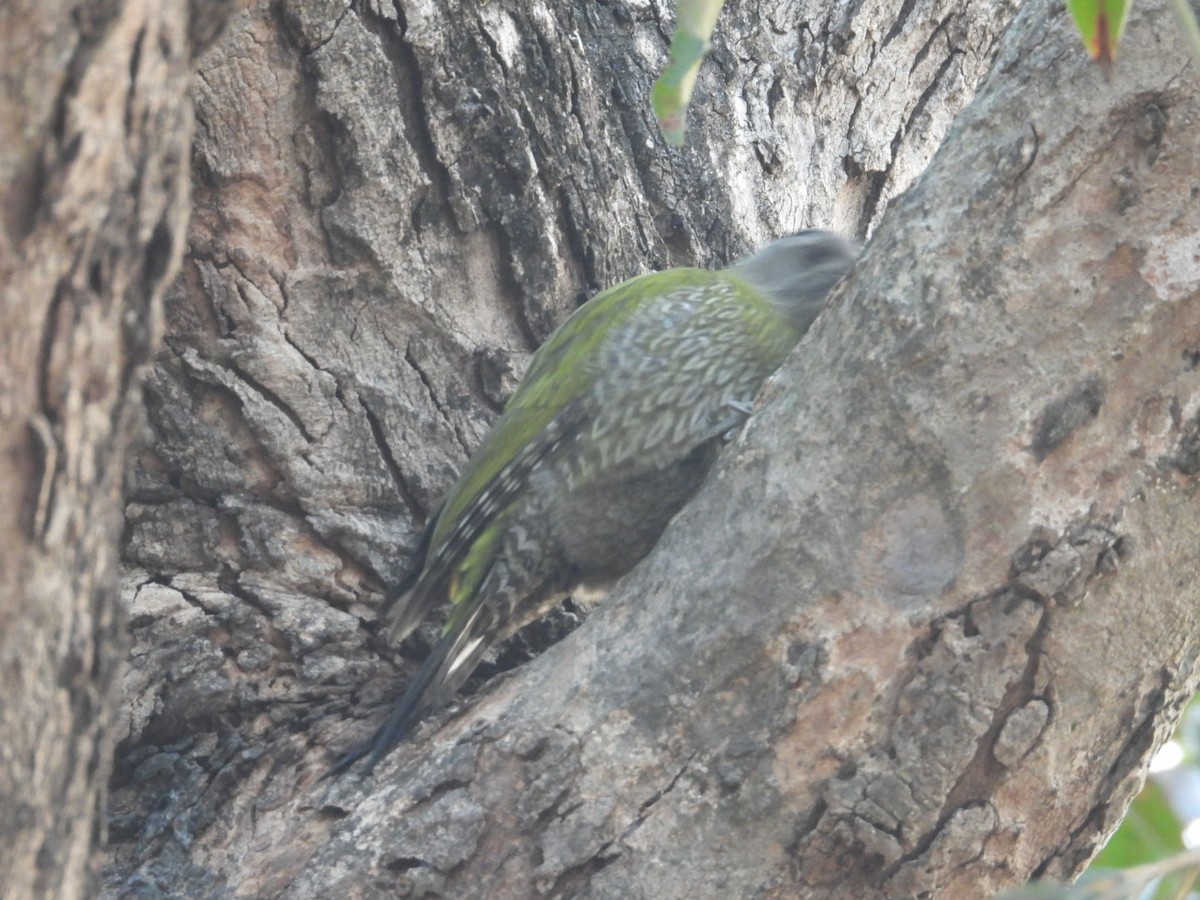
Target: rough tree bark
93,203
974,481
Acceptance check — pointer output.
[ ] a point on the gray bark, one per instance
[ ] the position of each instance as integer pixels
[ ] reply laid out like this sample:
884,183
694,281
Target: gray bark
93,202
971,483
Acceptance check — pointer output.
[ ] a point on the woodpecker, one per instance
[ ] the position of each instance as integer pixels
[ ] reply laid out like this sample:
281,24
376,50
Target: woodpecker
611,431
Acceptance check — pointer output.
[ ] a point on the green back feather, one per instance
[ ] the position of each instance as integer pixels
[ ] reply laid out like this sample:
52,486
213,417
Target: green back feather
560,393
557,374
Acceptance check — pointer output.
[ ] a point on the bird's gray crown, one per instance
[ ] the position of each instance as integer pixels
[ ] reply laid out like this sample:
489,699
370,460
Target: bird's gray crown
797,271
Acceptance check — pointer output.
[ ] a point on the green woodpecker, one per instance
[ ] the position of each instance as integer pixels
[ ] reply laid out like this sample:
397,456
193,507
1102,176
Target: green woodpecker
610,433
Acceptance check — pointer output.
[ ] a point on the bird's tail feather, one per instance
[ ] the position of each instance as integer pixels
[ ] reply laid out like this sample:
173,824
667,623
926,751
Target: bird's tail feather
448,665
399,611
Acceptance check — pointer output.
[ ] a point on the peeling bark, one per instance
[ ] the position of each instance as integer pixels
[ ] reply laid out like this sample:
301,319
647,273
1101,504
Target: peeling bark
93,202
974,481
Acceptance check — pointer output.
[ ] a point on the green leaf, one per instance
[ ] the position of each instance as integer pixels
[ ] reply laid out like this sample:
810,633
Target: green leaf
1188,27
1101,23
1169,879
673,91
1149,832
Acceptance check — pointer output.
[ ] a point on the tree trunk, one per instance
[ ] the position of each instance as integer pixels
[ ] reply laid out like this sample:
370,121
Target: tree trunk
973,480
93,198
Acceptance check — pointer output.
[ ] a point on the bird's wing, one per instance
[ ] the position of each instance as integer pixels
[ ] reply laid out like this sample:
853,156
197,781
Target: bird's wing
691,364
415,566
461,556
554,413
541,418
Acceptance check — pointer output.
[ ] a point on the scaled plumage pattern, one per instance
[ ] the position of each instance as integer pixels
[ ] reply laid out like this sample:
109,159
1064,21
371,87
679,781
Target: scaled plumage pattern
611,432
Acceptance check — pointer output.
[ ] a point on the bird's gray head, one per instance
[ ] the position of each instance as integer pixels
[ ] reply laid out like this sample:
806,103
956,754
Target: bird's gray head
797,271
